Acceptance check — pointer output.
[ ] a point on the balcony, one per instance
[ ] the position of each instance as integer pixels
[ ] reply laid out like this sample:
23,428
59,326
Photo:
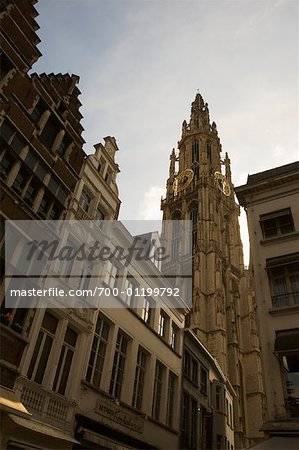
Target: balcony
82,215
46,405
289,299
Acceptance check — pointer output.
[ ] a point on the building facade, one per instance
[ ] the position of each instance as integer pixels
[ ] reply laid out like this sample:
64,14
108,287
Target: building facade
82,376
223,315
41,150
131,388
271,200
207,402
96,193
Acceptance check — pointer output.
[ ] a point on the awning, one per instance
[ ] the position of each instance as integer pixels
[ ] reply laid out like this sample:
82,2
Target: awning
42,428
103,441
13,407
287,341
278,443
282,260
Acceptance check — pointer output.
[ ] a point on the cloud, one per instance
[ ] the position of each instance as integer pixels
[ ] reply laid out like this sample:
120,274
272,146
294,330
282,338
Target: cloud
140,64
149,209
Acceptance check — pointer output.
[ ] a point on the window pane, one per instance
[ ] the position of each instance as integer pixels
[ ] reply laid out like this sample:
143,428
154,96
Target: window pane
65,372
6,165
44,357
6,131
35,353
50,323
49,133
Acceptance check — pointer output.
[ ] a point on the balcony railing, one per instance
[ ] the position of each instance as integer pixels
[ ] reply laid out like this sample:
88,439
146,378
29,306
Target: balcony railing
285,300
46,405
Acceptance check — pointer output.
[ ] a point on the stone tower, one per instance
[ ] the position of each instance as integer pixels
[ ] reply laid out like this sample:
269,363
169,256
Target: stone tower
199,188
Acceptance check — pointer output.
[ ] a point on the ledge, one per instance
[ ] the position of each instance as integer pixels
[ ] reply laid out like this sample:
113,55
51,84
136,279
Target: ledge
281,425
284,310
280,238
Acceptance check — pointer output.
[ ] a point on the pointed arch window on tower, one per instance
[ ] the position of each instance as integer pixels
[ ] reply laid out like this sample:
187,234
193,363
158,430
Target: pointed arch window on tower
175,235
209,151
195,151
195,157
193,218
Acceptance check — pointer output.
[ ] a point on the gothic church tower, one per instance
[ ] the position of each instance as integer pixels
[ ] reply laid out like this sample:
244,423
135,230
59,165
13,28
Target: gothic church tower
199,188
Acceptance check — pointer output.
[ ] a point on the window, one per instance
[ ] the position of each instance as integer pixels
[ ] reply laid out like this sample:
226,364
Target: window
158,389
187,364
130,286
283,276
190,419
63,145
98,352
66,264
45,205
203,380
65,361
101,167
147,310
286,348
13,318
194,371
118,365
195,168
99,217
277,223
7,131
163,324
6,65
193,218
49,133
108,176
195,151
31,160
53,185
85,201
6,164
209,151
290,363
40,171
21,180
38,111
195,158
85,276
139,378
172,381
55,212
218,394
190,367
31,191
174,342
17,143
61,195
175,237
112,274
227,411
43,346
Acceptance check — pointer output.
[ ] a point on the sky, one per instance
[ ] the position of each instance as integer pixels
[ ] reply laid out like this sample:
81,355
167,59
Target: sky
141,63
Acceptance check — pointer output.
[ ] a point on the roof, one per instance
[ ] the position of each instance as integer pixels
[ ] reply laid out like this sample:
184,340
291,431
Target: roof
265,181
282,170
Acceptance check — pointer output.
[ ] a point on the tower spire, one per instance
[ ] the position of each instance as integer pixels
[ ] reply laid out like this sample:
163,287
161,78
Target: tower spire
199,119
